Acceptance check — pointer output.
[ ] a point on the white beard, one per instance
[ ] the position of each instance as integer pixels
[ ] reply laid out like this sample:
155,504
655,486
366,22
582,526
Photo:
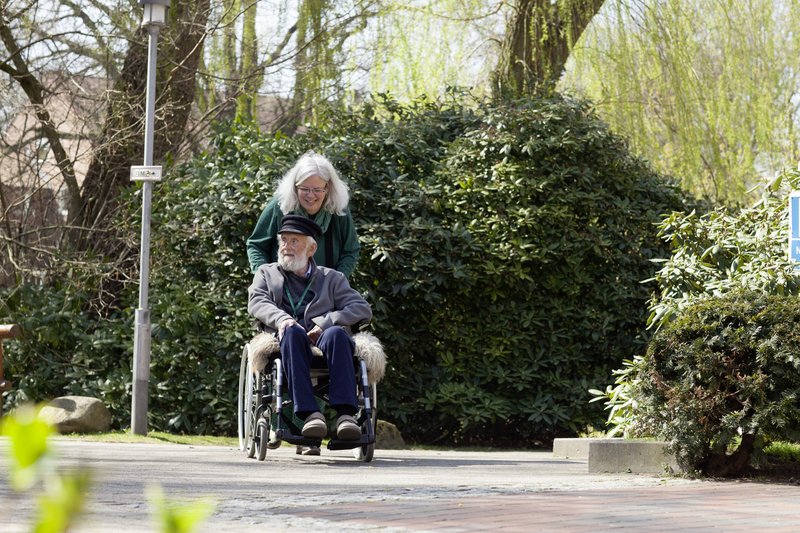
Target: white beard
292,264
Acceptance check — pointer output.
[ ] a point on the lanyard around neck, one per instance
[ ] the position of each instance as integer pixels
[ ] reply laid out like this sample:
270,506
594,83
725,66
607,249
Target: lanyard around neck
296,306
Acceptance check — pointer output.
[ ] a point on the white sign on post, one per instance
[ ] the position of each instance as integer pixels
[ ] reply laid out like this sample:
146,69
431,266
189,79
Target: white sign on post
145,173
794,226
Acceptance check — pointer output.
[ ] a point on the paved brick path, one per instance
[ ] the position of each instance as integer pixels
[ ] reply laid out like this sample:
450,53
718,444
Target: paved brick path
400,491
702,507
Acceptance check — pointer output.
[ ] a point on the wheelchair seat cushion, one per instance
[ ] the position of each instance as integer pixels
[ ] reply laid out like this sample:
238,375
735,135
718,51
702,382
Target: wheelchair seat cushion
368,348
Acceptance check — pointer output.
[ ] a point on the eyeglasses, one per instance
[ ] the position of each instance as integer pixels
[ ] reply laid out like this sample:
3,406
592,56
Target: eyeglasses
317,192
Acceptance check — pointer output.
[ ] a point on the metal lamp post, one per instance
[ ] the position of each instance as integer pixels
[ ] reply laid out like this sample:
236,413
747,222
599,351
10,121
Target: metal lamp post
155,15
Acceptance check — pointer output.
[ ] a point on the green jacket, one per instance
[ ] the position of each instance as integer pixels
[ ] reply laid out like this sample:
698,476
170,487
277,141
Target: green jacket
262,246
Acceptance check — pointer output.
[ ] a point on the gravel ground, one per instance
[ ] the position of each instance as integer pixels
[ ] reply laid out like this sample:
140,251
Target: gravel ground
252,495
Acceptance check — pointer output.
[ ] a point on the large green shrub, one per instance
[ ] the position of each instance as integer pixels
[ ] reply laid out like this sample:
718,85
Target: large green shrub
724,378
712,254
65,347
503,247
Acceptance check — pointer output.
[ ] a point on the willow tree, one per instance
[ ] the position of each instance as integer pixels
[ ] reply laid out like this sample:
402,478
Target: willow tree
707,90
325,54
539,38
314,61
422,48
233,59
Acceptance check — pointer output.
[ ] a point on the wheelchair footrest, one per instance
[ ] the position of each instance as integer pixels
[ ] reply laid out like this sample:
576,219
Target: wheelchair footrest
335,444
291,438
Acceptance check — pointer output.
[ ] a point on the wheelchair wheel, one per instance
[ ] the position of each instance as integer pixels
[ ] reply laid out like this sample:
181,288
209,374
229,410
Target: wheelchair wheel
254,412
262,438
242,412
248,405
365,453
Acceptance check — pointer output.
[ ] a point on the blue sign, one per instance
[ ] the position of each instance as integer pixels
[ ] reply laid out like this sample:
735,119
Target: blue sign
794,226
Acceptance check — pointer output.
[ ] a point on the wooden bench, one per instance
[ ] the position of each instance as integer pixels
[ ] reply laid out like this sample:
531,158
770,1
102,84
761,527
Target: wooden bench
7,331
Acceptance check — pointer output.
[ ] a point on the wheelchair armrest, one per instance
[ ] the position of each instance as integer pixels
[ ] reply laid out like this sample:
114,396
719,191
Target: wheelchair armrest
363,325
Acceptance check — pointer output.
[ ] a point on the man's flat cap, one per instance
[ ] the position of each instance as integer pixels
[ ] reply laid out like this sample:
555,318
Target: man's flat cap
300,224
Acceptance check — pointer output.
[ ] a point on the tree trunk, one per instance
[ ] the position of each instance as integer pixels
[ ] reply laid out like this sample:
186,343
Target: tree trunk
539,38
308,23
735,464
251,80
230,63
122,141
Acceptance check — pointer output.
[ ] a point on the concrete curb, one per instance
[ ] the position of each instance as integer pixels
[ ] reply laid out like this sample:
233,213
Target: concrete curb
637,456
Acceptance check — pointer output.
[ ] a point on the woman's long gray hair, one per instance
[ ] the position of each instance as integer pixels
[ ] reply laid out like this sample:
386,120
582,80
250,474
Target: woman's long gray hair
313,164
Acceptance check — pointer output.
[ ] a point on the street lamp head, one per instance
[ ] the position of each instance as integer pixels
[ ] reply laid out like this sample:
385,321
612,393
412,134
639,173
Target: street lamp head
155,12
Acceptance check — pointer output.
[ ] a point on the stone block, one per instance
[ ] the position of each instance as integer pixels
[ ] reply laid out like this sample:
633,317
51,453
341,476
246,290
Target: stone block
77,414
576,448
388,437
636,456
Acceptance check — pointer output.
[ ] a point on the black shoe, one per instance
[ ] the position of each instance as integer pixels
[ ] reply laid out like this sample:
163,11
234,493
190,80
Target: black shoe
347,429
315,426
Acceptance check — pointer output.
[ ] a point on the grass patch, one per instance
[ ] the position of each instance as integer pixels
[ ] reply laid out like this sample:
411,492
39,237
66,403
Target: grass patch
156,437
788,452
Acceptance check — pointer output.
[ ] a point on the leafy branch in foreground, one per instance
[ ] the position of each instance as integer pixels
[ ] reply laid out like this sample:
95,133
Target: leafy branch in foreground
64,496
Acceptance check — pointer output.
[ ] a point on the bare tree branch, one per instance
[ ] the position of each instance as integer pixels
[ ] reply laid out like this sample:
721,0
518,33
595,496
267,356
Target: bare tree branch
35,93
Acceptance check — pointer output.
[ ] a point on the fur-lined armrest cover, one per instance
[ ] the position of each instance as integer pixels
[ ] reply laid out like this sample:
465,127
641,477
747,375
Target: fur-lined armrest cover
368,348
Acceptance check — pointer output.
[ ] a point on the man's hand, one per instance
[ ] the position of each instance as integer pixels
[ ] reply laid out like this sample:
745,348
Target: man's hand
285,324
315,334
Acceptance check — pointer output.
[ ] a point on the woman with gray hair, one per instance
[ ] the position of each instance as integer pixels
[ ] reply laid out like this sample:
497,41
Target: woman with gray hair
311,188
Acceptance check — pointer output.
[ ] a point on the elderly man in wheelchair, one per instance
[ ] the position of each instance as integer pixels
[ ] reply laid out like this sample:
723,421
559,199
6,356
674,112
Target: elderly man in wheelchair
306,311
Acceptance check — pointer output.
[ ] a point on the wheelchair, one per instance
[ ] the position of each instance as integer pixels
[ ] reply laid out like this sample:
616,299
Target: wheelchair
265,409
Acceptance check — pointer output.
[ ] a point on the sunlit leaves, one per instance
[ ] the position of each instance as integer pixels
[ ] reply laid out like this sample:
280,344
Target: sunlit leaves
27,434
713,255
178,517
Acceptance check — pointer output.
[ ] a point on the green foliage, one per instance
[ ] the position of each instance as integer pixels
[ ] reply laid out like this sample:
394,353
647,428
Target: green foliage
713,254
64,496
706,90
503,249
723,375
27,434
61,505
425,47
785,452
66,345
71,344
503,245
725,250
620,400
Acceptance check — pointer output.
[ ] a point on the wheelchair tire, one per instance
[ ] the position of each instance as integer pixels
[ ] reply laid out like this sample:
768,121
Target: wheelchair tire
250,415
242,411
249,404
365,453
262,439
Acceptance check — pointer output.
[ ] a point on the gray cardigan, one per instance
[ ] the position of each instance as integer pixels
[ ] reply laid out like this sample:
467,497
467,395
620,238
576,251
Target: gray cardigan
333,303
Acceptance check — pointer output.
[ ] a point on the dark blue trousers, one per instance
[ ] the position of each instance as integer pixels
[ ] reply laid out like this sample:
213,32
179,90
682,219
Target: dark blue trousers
337,346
